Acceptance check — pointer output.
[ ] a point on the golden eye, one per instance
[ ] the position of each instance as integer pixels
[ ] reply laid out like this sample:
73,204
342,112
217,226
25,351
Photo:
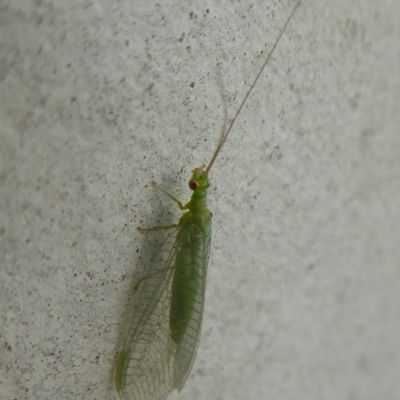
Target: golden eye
193,184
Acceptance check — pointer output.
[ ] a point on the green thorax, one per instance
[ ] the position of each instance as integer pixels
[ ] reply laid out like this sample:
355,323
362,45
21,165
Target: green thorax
198,213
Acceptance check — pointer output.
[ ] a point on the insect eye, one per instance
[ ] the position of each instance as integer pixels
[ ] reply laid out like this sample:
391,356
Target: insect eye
193,184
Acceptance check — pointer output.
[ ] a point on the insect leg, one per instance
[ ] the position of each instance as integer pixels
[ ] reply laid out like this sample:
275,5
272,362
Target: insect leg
138,283
180,205
157,228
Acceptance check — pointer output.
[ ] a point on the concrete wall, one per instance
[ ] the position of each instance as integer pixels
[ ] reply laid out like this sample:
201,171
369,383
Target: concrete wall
99,98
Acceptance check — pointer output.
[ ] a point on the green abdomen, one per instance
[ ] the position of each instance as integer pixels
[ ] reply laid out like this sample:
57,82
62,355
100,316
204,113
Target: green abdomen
187,285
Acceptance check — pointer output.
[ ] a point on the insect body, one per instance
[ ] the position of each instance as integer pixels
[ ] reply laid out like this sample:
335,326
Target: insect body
160,348
159,351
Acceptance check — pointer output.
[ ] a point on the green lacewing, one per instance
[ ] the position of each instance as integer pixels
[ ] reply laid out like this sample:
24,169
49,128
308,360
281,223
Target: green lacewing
159,350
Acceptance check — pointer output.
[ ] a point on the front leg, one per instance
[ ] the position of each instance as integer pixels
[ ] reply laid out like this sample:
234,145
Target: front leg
157,228
180,205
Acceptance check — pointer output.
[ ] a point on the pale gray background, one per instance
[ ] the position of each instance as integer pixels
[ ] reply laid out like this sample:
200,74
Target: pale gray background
303,296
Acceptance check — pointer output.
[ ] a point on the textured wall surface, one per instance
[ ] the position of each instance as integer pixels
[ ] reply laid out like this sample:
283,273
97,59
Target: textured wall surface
98,98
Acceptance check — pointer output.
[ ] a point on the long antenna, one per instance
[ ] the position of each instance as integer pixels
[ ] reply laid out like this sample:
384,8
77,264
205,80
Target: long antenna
223,138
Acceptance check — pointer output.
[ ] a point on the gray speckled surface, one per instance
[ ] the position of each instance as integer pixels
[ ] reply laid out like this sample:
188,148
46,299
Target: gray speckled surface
96,101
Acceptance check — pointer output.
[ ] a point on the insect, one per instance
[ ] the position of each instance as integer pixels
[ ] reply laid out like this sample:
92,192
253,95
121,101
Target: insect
159,350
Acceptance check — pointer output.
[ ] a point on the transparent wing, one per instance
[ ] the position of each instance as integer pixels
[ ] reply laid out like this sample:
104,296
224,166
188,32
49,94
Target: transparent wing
142,368
151,364
187,349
